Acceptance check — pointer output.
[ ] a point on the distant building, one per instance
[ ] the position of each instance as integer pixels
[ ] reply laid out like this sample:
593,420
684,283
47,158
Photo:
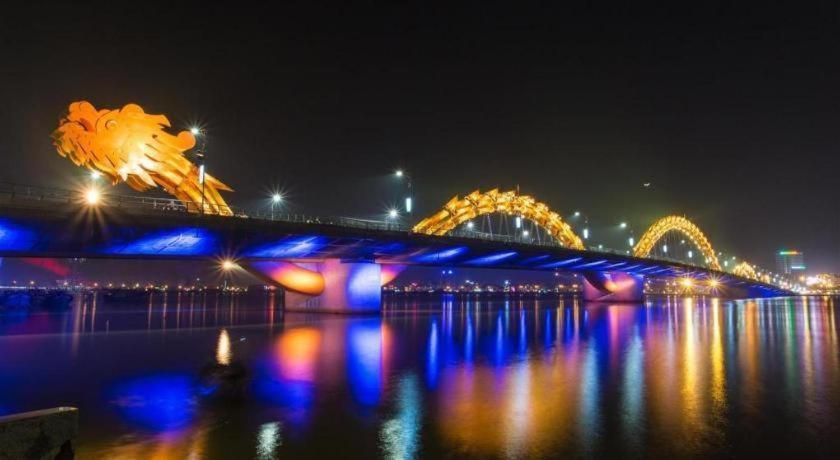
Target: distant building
790,262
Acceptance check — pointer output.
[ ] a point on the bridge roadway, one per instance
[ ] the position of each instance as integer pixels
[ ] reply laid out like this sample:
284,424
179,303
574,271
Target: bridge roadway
336,264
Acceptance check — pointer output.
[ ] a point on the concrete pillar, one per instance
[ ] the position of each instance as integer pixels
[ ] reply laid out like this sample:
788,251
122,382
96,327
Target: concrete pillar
328,286
613,287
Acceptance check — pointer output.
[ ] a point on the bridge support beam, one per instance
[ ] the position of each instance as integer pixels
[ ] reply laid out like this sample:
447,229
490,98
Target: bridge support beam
328,286
613,287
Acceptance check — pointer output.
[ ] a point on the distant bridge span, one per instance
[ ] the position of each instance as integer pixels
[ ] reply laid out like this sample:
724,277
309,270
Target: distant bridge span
329,264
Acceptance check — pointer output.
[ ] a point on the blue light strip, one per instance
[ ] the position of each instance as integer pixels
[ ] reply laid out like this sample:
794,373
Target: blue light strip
562,263
491,259
616,265
591,264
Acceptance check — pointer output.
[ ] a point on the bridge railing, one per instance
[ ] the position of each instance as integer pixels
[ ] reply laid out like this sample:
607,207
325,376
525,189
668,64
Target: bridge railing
28,194
24,194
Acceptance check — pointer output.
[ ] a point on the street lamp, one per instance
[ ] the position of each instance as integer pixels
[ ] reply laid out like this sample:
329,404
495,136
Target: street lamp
409,201
393,213
92,196
276,198
199,154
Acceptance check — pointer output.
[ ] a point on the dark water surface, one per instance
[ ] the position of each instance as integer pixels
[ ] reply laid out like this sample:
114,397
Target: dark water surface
431,378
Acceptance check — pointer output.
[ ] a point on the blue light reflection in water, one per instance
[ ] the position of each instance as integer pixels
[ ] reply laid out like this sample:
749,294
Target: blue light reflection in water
364,361
160,402
450,376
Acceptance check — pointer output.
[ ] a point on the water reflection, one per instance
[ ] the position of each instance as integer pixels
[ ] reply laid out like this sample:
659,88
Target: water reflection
513,378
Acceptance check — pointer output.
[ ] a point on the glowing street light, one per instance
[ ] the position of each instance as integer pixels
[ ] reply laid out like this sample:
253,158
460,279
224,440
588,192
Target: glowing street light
577,213
95,175
276,198
585,233
92,196
200,156
228,265
623,225
686,282
470,225
631,241
525,233
665,248
409,202
393,213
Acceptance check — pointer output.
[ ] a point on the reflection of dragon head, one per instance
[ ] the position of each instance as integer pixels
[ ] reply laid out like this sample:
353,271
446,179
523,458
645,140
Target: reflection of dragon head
130,145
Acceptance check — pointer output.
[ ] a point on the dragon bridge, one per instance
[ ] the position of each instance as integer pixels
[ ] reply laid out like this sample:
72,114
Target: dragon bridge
461,210
682,225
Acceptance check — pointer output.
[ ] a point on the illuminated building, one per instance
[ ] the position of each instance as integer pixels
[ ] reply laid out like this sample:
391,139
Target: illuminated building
790,262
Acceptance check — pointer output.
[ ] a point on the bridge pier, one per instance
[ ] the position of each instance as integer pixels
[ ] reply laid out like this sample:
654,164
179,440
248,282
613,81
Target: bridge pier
613,287
327,286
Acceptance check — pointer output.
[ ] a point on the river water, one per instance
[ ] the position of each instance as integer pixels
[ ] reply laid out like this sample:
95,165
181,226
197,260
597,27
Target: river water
433,377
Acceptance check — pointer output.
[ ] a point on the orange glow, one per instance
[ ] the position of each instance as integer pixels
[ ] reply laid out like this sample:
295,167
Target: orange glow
128,145
390,272
92,196
291,276
298,352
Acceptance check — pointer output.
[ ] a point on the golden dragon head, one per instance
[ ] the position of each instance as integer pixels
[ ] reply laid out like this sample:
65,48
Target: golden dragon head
132,146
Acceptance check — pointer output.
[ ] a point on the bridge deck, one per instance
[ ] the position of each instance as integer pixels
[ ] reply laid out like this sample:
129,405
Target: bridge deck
58,226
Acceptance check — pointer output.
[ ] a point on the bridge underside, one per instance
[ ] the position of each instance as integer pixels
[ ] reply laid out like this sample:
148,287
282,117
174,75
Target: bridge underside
329,286
348,261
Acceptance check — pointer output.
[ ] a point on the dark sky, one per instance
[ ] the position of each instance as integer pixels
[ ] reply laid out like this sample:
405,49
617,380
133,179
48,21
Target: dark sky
731,112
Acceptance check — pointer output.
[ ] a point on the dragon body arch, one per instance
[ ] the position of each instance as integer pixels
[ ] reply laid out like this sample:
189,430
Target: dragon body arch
460,210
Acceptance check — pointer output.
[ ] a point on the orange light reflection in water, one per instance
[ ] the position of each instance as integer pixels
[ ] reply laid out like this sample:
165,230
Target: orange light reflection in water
297,351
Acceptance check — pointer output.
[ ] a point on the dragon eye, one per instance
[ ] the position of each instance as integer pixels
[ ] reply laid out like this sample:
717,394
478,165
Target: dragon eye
110,124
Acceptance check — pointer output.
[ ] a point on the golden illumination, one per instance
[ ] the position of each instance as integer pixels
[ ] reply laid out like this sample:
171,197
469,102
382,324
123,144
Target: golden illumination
682,225
745,270
228,265
132,146
461,210
92,196
223,351
686,282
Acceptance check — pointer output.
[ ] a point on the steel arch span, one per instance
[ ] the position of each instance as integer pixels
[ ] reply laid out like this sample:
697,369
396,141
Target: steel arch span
461,210
745,270
682,225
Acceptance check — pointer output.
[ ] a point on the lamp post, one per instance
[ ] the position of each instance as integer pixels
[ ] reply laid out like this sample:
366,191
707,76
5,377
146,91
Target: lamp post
199,154
585,230
409,200
631,240
276,198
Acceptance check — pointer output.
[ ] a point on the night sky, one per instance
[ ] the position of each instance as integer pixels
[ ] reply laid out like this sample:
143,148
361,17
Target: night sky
731,113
